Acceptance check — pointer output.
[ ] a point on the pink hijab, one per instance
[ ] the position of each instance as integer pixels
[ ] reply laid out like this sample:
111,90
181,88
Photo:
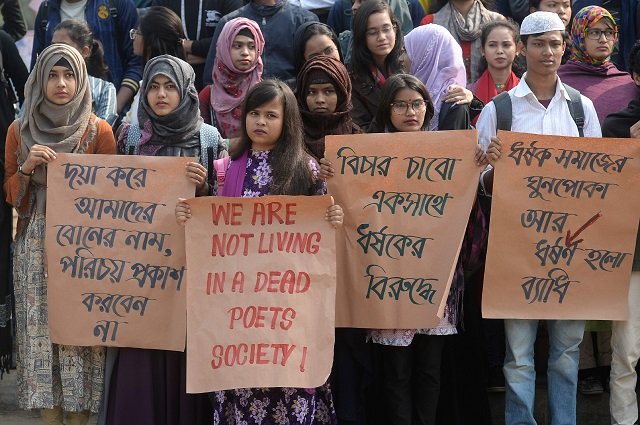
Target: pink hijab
230,85
436,60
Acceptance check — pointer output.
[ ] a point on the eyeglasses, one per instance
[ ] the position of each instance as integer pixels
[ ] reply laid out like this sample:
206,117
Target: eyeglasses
400,107
595,34
385,30
133,32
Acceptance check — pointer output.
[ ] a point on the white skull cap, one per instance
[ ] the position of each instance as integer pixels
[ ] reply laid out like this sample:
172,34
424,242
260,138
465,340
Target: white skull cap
540,22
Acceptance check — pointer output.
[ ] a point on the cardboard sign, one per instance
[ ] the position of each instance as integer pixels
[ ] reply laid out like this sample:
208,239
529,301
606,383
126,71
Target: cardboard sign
407,199
115,253
564,220
261,292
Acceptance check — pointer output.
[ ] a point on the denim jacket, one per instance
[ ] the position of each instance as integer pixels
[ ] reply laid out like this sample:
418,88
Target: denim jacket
124,67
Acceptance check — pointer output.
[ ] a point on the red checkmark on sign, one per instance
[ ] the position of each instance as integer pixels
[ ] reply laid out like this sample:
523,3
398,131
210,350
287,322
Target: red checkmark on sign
570,239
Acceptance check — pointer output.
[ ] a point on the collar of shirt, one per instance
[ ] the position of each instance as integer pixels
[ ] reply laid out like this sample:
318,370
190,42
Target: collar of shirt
523,90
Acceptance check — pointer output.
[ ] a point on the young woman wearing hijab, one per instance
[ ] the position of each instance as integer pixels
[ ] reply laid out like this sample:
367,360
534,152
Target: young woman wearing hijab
237,67
103,93
315,39
435,58
377,43
589,70
324,97
464,20
149,386
159,32
57,119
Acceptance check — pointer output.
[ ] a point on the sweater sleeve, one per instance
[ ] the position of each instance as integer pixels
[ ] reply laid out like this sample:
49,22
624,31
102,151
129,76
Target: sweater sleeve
12,178
104,143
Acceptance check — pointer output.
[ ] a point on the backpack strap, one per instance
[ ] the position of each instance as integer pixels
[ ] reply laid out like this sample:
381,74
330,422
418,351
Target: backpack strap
575,108
504,112
221,165
209,146
132,144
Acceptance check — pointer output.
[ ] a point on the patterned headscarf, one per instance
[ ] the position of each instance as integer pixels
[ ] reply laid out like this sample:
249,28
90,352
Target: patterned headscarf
436,60
586,17
230,85
179,127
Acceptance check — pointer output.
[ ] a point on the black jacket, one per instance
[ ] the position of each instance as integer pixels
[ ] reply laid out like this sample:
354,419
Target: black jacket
13,20
618,125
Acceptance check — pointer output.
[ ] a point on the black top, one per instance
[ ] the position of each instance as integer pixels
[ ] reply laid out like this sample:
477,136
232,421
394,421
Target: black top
618,125
13,20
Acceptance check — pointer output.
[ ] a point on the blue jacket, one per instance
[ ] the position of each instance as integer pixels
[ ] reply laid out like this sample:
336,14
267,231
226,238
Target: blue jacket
124,67
278,25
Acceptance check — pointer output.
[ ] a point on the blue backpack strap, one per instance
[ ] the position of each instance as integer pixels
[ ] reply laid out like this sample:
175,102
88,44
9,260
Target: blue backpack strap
575,108
132,144
209,141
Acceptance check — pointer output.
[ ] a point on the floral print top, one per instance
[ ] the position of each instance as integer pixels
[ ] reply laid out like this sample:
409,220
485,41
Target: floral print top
258,176
274,406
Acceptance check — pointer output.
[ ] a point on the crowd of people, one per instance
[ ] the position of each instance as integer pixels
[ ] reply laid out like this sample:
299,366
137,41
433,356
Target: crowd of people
252,89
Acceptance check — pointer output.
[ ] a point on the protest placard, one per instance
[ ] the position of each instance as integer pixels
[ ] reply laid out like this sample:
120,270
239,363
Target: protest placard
261,292
407,199
115,253
564,221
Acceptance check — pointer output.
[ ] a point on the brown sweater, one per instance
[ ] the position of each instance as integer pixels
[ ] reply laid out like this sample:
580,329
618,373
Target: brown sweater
103,143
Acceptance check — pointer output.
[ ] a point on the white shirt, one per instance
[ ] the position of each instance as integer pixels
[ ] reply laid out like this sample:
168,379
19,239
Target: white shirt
73,10
529,116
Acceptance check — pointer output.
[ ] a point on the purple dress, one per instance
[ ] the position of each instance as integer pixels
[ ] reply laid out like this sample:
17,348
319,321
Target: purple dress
273,406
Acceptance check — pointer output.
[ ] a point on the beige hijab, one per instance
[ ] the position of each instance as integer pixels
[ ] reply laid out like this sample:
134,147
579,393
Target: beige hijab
60,127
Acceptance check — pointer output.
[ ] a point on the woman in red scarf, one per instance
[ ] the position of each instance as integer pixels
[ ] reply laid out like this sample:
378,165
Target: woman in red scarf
499,40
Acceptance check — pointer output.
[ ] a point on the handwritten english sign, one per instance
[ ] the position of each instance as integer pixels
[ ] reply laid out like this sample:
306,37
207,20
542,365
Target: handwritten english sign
407,199
115,253
261,292
564,220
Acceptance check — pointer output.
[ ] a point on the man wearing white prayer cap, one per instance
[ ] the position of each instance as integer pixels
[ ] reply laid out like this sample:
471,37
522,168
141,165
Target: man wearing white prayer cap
540,106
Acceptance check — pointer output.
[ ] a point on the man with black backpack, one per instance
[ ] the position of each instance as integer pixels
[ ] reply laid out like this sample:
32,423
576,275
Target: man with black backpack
539,104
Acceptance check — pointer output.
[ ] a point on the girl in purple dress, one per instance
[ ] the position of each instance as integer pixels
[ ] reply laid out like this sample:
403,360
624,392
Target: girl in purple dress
270,159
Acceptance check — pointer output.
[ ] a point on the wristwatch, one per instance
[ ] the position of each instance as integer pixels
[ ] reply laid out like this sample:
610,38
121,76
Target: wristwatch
26,174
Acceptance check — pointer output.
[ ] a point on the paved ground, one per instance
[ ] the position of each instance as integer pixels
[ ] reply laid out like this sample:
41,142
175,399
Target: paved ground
592,410
9,413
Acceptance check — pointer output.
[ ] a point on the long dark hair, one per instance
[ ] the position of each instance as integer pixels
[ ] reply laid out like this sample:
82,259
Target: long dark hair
80,33
361,56
305,33
289,161
394,84
490,26
162,32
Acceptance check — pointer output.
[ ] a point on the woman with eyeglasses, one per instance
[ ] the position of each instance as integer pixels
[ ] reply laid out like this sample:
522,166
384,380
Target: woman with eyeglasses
377,42
589,70
409,361
159,33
